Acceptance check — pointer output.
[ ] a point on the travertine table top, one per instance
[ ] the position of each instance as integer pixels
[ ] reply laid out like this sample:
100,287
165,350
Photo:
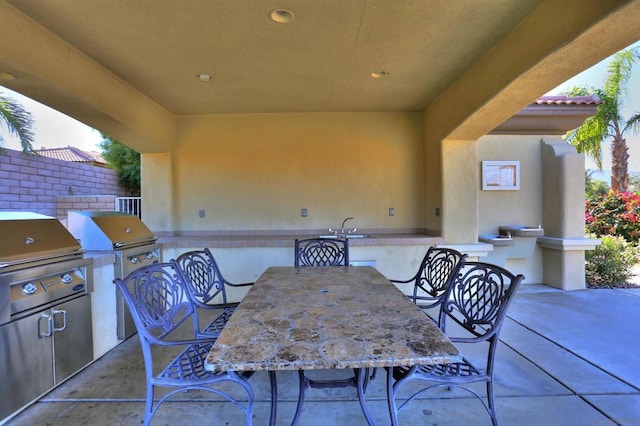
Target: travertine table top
325,318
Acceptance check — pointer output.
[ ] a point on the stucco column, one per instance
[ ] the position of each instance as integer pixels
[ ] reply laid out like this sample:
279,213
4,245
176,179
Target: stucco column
564,242
460,199
157,191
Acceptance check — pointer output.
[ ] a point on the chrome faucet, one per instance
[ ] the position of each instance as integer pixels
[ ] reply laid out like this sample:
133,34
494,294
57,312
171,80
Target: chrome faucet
343,231
345,221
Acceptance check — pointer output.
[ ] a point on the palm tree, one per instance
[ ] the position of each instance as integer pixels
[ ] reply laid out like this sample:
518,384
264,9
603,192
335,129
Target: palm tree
608,122
18,121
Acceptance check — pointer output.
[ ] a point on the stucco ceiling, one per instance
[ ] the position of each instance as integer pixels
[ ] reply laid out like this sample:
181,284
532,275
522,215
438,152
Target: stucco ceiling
320,61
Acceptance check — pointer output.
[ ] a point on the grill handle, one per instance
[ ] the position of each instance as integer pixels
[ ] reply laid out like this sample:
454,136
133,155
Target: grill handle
64,320
47,333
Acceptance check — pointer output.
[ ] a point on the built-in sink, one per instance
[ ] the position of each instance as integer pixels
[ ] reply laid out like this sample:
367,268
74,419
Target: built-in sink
345,236
496,240
522,231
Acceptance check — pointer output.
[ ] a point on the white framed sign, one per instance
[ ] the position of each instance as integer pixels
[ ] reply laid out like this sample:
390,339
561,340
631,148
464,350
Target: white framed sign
500,175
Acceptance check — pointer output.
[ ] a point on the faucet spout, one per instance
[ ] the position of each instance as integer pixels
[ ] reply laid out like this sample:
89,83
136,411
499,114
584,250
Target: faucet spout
345,221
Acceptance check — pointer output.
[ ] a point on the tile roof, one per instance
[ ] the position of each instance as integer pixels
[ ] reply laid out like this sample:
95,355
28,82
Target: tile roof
72,154
569,100
550,115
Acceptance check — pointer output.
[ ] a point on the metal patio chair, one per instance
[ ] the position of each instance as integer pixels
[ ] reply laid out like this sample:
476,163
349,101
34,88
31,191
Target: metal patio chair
476,305
434,277
206,284
156,296
321,252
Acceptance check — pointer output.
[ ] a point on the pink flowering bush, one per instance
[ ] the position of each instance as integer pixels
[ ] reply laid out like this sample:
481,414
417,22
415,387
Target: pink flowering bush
615,214
614,218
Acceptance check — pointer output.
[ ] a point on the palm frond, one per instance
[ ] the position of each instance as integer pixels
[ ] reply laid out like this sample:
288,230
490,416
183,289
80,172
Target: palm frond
18,122
633,124
619,72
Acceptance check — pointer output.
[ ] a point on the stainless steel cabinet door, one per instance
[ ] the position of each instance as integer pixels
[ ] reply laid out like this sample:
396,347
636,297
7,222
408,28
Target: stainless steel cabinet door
26,364
72,337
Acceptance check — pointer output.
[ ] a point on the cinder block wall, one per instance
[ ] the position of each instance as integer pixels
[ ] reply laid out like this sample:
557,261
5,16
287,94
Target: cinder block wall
65,203
52,187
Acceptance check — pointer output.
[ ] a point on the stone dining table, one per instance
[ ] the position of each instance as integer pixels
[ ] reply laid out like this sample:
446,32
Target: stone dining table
327,318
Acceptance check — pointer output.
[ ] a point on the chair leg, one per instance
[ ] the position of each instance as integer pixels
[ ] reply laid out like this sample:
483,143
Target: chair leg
362,378
302,379
148,409
274,397
391,397
491,403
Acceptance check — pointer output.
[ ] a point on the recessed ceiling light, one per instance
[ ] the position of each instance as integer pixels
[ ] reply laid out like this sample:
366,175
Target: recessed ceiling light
204,77
379,74
281,16
6,76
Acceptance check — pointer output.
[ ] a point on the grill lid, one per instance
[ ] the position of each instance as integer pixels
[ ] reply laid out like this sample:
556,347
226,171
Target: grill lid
106,231
27,237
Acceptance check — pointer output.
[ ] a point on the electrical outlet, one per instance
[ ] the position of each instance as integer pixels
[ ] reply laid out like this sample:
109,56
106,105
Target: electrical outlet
201,213
392,211
303,212
437,211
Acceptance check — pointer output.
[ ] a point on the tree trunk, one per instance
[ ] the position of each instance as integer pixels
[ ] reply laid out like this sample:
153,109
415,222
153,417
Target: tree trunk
619,165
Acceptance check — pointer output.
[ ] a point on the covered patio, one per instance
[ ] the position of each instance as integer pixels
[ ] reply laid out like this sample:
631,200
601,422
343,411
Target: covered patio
370,109
565,358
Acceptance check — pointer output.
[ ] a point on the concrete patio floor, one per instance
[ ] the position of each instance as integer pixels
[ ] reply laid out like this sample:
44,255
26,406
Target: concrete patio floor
565,358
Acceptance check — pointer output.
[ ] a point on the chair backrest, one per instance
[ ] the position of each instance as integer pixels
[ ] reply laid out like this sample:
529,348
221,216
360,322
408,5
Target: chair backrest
204,279
156,296
478,300
322,252
437,272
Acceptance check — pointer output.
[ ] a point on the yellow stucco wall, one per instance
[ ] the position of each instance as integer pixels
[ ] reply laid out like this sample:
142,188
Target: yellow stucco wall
521,207
158,209
518,207
459,201
257,171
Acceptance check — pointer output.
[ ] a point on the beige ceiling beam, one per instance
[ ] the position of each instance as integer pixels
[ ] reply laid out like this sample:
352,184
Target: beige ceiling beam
55,74
556,41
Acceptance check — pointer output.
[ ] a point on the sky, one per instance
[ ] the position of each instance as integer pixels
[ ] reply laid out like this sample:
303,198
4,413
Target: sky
54,129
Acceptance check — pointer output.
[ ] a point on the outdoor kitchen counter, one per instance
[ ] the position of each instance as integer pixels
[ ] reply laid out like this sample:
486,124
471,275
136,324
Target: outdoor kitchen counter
241,240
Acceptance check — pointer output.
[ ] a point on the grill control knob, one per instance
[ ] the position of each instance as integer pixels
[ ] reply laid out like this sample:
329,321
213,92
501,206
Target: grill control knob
134,260
66,278
150,255
29,288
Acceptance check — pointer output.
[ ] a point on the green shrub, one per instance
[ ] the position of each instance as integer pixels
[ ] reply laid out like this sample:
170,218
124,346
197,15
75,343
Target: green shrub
611,262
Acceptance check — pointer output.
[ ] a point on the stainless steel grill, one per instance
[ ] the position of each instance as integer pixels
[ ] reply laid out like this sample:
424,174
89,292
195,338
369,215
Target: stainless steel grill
45,307
124,235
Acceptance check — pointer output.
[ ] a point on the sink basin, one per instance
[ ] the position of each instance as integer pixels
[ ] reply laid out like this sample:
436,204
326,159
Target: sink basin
522,231
496,240
345,236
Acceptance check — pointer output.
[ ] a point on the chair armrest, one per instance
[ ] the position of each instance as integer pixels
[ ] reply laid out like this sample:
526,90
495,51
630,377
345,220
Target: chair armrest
187,342
220,305
238,285
402,281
